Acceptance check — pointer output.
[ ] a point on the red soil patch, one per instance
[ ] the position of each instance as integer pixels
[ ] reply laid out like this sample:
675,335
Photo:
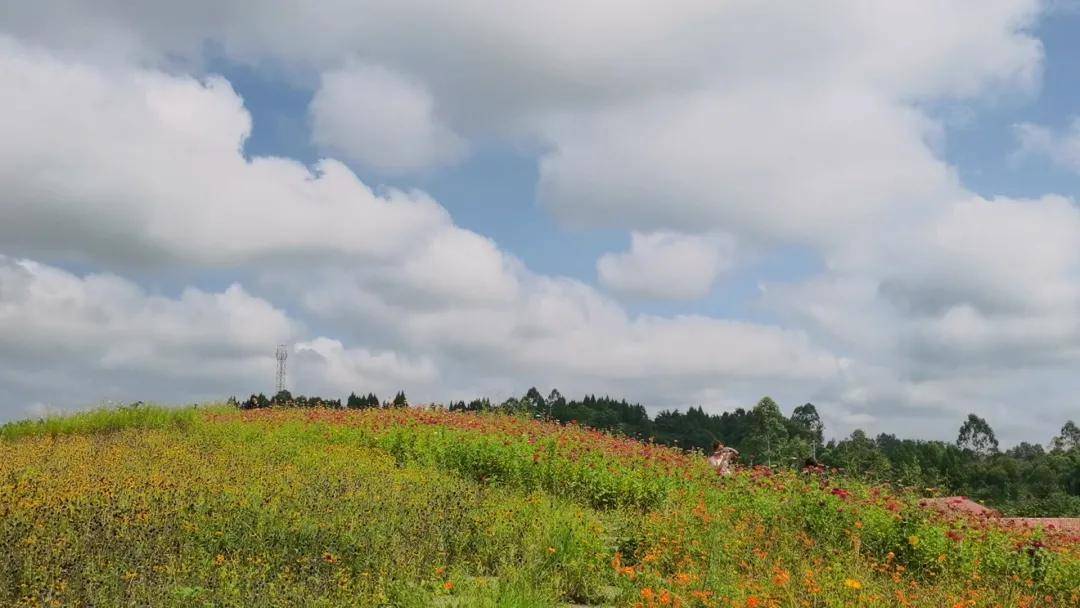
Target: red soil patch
958,504
1062,527
1070,525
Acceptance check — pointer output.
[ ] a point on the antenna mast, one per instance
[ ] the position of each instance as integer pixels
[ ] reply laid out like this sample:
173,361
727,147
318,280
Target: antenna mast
281,354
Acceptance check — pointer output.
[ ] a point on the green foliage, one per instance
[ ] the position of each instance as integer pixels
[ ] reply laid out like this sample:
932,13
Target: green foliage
358,402
977,436
1069,439
1025,480
133,416
768,440
408,507
225,517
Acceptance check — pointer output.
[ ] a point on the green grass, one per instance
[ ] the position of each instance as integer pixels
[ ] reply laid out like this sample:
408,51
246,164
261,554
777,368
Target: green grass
153,506
103,420
220,515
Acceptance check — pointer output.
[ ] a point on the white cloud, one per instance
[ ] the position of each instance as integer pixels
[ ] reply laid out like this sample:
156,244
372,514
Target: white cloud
752,162
1063,149
778,126
328,367
83,339
391,271
561,332
976,307
666,265
80,339
136,166
381,120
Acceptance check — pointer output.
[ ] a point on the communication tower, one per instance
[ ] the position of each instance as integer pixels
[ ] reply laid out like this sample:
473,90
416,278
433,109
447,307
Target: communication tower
281,354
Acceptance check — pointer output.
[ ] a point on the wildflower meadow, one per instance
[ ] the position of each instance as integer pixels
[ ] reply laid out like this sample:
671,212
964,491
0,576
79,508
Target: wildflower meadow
415,507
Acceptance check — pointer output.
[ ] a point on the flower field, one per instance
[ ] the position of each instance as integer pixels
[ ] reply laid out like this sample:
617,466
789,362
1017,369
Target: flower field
409,507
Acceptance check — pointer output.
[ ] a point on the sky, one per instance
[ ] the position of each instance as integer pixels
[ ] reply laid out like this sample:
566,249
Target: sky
867,205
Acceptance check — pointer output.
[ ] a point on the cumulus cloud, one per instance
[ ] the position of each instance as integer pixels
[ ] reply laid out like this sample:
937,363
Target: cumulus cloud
751,162
382,120
779,126
1062,148
77,339
80,339
666,265
809,137
958,312
391,270
560,332
136,166
328,367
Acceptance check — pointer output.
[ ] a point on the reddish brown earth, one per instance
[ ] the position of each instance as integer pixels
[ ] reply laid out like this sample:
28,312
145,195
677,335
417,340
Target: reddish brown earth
1069,525
958,504
961,505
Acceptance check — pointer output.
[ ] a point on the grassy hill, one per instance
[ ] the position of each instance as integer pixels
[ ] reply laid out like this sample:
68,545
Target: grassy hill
216,507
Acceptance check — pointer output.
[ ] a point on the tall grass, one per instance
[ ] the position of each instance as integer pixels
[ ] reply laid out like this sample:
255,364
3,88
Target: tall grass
420,508
220,516
102,420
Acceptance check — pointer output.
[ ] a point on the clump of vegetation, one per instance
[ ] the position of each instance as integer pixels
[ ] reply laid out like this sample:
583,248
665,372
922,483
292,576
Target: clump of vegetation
1026,480
408,507
102,420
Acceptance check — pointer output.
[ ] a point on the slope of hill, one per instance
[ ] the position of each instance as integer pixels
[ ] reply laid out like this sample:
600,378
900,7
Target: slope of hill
419,508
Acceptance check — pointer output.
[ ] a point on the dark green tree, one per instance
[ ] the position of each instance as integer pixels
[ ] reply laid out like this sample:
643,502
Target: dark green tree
977,436
808,422
769,435
1069,439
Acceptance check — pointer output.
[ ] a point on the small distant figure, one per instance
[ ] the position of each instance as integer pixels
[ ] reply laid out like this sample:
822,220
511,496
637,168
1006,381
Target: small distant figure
723,458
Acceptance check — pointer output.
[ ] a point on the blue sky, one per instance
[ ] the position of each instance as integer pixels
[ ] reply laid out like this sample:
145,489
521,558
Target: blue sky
983,148
869,205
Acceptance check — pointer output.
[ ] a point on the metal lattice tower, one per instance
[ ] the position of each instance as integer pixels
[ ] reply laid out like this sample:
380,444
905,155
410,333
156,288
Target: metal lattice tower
281,354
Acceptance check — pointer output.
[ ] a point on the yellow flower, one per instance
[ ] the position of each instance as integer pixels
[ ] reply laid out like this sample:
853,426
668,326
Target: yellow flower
913,540
851,583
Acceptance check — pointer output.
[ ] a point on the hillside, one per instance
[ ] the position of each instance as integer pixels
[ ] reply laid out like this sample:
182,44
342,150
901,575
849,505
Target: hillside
408,507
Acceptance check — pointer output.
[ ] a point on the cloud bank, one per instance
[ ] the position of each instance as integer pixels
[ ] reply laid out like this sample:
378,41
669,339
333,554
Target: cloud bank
773,126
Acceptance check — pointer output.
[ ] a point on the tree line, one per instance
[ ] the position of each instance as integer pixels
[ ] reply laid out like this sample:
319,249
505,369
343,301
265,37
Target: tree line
1028,479
286,399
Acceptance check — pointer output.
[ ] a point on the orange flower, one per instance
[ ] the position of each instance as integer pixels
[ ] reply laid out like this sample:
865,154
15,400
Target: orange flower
449,586
851,583
752,602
